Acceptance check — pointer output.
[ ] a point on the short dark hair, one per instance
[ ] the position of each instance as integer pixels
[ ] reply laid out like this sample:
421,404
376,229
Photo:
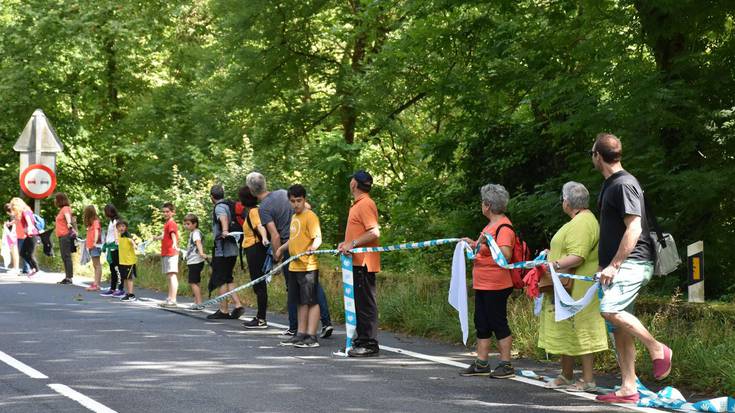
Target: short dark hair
192,218
122,222
217,192
609,147
246,197
296,191
61,200
169,206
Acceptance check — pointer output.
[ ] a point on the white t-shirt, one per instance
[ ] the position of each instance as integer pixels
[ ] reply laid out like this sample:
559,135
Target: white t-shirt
111,234
192,254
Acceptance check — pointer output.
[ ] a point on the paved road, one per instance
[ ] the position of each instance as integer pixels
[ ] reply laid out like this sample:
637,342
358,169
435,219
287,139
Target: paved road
134,358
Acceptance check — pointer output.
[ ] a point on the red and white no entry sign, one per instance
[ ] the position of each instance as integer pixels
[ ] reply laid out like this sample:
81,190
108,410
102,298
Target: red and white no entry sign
38,181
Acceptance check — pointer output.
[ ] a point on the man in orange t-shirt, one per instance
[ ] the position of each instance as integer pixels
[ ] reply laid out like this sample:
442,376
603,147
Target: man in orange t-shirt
363,231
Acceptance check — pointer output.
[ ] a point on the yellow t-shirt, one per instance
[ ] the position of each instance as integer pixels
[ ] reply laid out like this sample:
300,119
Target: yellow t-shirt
249,238
127,251
304,229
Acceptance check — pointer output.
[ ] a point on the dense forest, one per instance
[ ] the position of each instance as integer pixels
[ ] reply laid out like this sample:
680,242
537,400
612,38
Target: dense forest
156,100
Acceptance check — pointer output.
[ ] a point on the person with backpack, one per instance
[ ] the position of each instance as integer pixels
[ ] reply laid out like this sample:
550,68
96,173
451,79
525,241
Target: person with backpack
275,215
493,285
255,243
626,264
573,251
225,253
26,232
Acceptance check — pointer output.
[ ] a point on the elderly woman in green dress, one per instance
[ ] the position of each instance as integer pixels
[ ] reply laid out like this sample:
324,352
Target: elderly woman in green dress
574,250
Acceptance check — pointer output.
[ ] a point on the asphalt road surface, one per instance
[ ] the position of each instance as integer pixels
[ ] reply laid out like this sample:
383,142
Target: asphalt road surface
66,350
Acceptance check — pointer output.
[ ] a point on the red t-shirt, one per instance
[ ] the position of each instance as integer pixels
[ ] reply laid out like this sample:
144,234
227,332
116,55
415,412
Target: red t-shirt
91,240
62,229
20,231
167,244
486,274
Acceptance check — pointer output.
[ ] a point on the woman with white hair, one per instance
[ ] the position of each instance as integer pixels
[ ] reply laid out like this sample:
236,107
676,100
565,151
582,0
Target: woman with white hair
493,285
574,250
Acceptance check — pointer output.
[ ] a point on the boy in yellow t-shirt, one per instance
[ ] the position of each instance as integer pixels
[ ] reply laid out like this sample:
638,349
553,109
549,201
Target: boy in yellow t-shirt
126,267
305,236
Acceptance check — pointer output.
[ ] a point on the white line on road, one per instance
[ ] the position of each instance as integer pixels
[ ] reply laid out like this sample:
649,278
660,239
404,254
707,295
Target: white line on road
80,398
22,367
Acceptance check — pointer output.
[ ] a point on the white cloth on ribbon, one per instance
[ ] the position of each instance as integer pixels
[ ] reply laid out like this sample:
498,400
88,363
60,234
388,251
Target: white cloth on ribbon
85,256
564,305
7,239
458,288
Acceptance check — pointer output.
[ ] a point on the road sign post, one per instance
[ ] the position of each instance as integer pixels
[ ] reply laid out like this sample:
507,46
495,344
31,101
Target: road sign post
695,254
38,145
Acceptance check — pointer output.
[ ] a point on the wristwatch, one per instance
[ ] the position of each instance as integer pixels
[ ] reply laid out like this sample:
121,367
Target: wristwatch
354,243
557,267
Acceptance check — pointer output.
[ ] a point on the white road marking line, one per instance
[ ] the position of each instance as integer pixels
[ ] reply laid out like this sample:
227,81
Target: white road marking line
449,362
22,367
85,401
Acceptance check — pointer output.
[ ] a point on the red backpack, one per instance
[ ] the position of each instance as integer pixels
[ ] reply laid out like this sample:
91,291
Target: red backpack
521,252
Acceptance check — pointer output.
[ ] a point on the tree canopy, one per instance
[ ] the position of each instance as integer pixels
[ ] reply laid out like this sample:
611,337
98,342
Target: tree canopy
156,100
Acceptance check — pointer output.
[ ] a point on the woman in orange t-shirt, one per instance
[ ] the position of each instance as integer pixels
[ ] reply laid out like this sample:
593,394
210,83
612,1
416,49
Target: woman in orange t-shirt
63,230
492,285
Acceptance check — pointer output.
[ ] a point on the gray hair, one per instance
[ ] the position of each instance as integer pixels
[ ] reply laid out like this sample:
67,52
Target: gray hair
256,182
576,195
495,197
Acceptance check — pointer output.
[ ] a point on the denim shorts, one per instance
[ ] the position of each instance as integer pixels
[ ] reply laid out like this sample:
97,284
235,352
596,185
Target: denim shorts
95,252
621,294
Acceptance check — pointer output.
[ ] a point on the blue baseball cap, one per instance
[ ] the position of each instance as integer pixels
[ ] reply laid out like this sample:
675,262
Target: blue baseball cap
363,178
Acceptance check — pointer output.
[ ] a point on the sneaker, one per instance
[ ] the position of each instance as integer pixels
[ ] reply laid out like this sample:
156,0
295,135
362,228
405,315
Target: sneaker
307,342
168,304
293,340
288,333
129,298
363,352
118,293
218,315
195,307
503,371
255,323
476,370
326,331
93,287
65,281
237,312
107,293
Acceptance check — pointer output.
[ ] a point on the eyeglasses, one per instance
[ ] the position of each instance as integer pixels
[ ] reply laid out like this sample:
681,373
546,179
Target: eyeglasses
592,152
561,199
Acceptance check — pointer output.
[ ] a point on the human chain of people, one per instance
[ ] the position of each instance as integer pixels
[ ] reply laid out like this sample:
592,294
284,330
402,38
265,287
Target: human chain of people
585,285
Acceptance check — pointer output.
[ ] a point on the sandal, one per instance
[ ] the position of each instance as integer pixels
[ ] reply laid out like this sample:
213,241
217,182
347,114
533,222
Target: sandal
559,382
583,386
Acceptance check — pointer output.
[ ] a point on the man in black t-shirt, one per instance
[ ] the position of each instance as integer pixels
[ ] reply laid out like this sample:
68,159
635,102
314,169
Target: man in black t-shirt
626,255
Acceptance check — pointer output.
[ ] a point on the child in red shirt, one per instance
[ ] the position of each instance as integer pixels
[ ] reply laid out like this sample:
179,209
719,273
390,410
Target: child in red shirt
170,253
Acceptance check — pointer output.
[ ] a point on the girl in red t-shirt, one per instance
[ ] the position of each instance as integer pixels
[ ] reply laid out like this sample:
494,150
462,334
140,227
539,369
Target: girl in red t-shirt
26,232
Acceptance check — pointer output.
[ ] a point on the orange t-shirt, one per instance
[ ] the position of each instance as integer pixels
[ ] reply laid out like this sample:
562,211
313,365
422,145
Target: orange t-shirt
486,274
91,241
362,218
62,229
